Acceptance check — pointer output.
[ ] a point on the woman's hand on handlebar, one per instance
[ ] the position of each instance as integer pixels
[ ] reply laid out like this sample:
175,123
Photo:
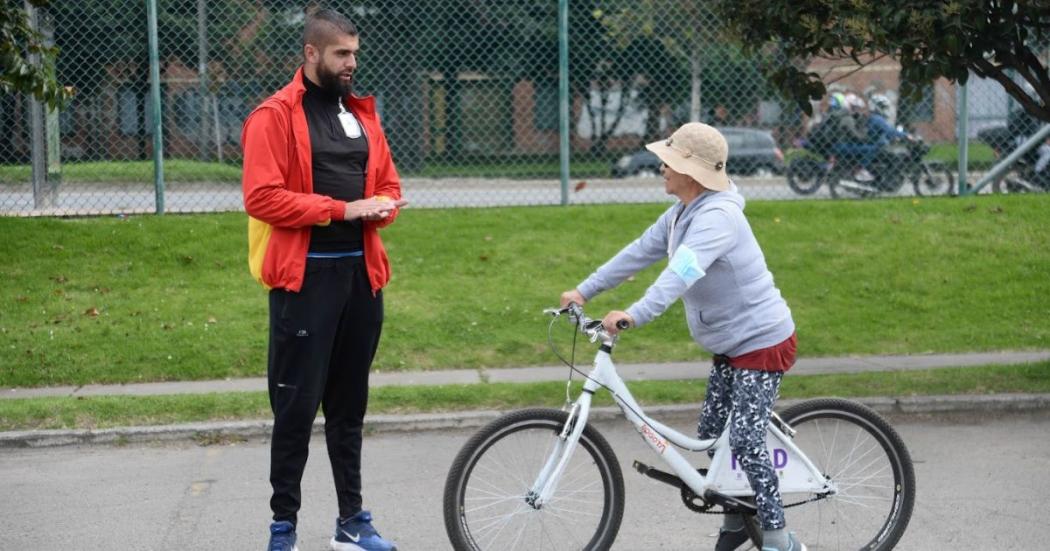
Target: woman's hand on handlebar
572,296
617,320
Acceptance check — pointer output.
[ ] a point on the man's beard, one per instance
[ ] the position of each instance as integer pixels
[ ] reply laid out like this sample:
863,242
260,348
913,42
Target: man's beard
331,83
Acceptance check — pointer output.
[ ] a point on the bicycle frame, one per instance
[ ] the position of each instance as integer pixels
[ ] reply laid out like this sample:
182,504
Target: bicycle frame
797,473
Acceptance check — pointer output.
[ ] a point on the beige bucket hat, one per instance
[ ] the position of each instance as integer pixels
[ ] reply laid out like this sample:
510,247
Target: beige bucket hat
697,150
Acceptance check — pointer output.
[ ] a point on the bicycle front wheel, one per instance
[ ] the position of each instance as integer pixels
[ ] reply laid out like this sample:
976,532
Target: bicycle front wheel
804,175
869,464
486,493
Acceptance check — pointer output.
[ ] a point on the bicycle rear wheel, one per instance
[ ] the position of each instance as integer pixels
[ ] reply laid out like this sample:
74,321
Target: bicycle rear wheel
932,180
486,489
867,460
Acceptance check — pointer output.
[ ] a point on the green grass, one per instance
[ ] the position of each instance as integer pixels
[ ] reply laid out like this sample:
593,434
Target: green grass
979,156
175,170
113,411
131,172
150,298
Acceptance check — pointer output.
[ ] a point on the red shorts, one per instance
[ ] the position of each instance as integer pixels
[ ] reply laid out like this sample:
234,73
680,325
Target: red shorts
779,357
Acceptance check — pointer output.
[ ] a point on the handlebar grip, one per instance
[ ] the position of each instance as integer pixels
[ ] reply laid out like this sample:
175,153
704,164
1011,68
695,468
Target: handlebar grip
623,324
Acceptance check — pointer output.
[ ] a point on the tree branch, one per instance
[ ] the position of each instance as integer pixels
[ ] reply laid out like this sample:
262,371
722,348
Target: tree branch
985,68
854,71
1041,81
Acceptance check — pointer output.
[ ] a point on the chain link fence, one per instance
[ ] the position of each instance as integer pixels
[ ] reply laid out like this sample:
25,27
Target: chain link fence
469,95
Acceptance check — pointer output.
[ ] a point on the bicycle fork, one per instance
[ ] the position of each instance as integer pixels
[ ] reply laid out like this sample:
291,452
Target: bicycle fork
564,446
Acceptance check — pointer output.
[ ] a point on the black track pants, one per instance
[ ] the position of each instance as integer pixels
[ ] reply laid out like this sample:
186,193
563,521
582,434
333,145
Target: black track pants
322,341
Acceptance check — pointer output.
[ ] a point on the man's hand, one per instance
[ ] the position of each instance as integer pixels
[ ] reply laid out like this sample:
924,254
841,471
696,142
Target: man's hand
572,296
371,209
610,319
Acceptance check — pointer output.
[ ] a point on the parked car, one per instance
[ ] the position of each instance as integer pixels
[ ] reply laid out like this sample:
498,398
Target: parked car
751,152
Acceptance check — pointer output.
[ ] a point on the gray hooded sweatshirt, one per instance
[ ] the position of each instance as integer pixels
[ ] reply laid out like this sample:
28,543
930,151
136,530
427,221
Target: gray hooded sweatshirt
717,268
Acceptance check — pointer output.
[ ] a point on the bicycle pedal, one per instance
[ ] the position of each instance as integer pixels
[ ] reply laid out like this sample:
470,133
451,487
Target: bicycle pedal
658,475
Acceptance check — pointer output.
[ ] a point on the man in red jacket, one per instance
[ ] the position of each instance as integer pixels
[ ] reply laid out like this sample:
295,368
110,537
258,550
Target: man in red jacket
319,182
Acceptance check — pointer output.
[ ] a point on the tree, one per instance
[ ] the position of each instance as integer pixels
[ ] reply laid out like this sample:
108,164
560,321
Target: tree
596,63
659,78
687,37
105,42
997,39
19,43
686,30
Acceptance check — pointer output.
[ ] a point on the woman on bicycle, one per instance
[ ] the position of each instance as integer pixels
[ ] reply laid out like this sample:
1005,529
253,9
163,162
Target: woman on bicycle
732,307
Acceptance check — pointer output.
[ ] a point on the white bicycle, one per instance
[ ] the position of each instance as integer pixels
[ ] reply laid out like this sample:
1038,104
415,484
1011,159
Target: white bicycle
544,479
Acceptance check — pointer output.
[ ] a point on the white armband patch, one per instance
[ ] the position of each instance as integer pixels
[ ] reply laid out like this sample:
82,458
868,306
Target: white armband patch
684,265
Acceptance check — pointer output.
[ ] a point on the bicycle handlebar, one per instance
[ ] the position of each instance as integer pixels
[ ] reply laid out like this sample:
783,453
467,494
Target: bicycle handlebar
591,327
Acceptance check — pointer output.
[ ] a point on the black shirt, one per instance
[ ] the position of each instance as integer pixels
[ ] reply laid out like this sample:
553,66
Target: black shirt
339,165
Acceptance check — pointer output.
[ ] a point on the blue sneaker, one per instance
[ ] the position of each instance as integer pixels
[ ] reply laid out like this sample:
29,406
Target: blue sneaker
357,534
282,537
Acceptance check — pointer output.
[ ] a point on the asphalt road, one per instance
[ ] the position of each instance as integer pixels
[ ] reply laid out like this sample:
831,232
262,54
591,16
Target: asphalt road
982,484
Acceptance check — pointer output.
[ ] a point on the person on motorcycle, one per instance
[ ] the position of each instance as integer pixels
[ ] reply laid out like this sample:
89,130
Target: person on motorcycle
880,130
853,140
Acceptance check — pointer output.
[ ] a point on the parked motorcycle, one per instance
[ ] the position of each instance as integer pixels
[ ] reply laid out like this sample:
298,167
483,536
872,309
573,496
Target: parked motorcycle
1022,177
893,166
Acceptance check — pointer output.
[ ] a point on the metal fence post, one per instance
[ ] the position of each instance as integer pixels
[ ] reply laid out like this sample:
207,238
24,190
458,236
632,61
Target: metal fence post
38,151
158,137
202,73
52,130
563,97
963,123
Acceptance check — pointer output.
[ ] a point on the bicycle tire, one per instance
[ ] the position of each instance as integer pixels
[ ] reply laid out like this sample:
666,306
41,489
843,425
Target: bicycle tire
1014,182
514,437
805,175
931,181
876,477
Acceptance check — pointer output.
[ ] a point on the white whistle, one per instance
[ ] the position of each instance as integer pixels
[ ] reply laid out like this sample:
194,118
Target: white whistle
350,126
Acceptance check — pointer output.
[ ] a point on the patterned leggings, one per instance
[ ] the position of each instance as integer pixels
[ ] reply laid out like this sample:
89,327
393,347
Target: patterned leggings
749,394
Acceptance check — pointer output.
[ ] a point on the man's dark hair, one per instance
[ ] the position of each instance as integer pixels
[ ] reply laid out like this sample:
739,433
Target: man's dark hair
323,25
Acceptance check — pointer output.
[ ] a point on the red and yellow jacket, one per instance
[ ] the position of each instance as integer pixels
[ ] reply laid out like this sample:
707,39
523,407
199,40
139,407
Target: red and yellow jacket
278,188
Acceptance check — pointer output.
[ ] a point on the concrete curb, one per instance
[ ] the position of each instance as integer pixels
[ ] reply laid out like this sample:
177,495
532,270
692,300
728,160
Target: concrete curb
214,432
629,372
